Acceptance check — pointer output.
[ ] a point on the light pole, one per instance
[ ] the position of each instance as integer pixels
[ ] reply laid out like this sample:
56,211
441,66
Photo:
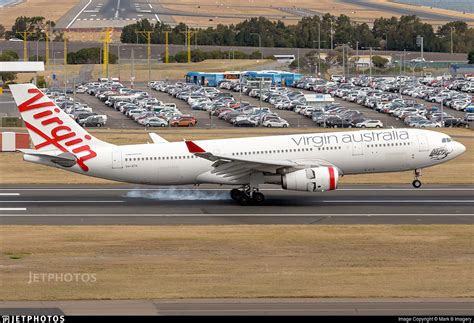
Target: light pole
419,42
37,42
332,37
452,44
319,49
259,43
370,63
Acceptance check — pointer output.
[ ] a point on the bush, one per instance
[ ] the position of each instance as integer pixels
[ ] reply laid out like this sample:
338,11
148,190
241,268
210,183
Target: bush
470,57
379,61
89,56
40,81
8,55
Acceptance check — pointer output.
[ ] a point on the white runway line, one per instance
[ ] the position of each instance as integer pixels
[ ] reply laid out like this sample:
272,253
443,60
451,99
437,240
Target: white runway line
58,201
9,194
117,11
239,215
13,209
156,16
395,201
228,189
74,19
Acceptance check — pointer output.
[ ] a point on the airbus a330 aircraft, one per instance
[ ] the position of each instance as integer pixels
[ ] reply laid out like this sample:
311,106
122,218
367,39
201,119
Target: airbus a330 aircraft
302,162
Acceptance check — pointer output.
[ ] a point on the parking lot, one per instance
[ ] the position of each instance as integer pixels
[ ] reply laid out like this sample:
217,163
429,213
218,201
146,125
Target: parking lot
389,101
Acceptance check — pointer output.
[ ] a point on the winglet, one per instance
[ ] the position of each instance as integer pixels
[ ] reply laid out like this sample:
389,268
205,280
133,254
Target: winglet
193,148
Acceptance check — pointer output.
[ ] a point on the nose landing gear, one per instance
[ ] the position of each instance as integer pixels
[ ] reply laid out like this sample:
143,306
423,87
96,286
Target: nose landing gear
247,195
416,182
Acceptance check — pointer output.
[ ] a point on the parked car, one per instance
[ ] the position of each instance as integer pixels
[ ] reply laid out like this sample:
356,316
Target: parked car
370,124
276,123
155,122
469,117
92,121
183,121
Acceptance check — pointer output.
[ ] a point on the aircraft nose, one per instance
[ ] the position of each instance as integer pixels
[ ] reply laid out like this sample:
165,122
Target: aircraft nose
460,148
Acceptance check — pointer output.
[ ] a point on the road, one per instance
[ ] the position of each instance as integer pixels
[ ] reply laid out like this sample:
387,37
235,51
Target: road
211,204
314,306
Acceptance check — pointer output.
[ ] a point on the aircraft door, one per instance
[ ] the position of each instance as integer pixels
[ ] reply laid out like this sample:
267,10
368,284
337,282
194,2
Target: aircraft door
117,159
357,149
423,143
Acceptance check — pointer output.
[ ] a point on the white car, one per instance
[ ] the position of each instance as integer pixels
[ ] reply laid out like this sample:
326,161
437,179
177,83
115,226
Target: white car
81,90
469,117
276,123
370,124
418,60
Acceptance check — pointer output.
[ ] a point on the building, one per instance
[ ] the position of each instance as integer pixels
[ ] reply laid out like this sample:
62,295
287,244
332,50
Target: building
288,58
364,62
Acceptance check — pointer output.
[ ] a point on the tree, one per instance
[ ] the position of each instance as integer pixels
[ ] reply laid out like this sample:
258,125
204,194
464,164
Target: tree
8,55
379,61
393,33
2,31
35,26
470,57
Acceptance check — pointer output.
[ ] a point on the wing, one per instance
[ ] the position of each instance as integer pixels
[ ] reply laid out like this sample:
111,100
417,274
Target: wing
236,168
157,139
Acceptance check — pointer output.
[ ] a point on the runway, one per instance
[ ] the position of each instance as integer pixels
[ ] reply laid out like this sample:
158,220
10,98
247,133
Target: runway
211,204
399,306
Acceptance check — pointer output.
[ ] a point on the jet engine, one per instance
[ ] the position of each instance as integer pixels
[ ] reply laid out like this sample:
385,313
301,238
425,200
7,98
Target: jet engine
311,179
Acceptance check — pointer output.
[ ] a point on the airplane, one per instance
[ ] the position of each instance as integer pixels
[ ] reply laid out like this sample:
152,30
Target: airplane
311,162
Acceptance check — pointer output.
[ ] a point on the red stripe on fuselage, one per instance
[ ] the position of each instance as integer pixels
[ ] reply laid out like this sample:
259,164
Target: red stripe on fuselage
332,179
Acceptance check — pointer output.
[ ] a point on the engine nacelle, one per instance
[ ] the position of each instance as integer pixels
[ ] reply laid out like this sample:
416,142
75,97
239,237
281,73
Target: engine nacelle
311,179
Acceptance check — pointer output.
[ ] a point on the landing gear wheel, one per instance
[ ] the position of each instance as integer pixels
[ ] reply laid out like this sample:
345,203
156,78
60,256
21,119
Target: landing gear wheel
244,199
258,197
416,183
236,194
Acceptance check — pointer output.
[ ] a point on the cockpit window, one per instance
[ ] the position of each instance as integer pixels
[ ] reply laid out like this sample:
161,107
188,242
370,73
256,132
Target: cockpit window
446,140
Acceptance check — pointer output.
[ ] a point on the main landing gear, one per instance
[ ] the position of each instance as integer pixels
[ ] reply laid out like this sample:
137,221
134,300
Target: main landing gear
247,195
416,182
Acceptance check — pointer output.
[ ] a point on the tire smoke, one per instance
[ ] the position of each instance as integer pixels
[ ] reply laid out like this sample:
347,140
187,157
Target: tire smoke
173,194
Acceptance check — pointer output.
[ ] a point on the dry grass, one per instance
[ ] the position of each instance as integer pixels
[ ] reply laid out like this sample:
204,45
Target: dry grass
158,71
175,71
60,70
355,12
458,171
239,261
51,10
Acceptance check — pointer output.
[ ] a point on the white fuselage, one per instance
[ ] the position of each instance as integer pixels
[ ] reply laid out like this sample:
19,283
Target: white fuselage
353,152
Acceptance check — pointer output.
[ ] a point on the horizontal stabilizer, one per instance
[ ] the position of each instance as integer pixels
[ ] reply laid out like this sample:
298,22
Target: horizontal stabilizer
66,159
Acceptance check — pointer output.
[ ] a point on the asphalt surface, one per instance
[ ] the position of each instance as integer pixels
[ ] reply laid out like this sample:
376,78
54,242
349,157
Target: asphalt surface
111,13
211,204
389,306
94,14
117,120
